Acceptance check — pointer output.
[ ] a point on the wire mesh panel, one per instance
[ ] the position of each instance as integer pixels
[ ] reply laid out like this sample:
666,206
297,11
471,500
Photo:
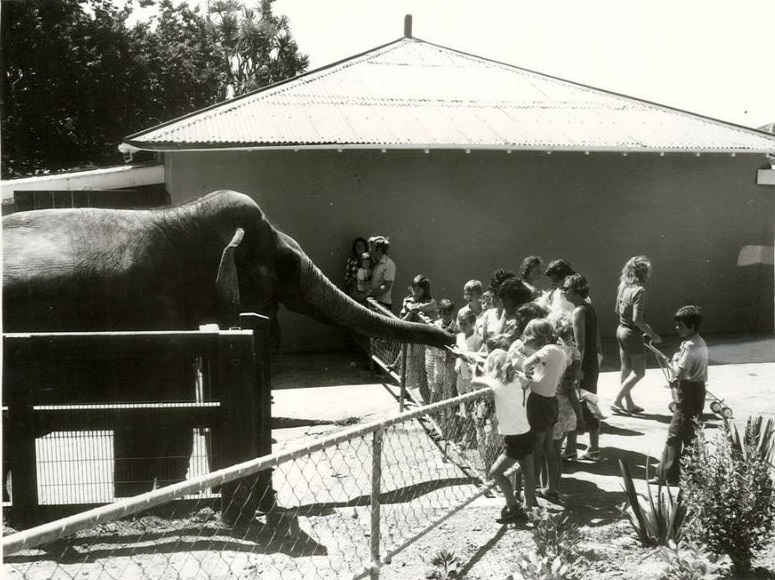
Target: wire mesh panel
93,417
341,508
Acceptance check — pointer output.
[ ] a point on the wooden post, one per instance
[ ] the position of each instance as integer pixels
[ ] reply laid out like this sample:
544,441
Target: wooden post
235,434
20,383
260,325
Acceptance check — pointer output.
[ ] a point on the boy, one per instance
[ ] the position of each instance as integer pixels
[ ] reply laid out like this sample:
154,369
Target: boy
472,294
689,368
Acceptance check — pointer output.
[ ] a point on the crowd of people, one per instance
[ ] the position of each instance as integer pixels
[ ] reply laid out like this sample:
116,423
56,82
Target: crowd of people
539,350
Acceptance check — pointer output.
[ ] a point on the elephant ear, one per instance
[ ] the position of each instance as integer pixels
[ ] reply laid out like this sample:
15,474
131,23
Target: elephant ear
227,280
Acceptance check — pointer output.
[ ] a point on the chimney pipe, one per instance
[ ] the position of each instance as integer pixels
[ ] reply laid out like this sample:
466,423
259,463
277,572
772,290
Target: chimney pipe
408,26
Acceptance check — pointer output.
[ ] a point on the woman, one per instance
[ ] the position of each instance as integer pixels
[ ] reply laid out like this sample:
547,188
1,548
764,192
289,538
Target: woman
531,271
360,245
631,308
587,339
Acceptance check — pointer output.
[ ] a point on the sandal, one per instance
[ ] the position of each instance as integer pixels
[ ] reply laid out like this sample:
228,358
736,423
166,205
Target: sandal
590,456
636,409
619,410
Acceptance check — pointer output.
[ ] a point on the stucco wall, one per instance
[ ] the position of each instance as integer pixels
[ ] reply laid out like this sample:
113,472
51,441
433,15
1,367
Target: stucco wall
455,216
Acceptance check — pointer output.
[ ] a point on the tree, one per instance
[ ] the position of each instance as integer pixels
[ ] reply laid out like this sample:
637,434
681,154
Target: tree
78,78
258,45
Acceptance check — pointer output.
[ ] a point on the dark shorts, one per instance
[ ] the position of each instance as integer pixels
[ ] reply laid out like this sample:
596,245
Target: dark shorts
542,412
518,447
630,340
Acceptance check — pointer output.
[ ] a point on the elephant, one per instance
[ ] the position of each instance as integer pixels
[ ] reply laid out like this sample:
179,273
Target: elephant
172,268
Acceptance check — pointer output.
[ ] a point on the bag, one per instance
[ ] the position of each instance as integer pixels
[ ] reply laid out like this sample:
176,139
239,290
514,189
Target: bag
590,411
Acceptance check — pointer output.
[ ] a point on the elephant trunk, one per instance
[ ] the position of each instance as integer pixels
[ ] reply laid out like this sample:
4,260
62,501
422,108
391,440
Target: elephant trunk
319,298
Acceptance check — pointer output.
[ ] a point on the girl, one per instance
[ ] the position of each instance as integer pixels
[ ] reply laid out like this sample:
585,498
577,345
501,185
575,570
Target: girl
631,307
419,306
568,406
518,439
543,362
363,278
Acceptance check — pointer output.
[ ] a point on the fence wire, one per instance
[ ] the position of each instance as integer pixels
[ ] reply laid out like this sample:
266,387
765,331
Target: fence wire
339,508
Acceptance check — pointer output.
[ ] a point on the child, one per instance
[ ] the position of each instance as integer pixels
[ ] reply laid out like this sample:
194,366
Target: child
472,294
518,438
363,278
440,367
568,406
467,343
419,306
440,363
689,367
544,362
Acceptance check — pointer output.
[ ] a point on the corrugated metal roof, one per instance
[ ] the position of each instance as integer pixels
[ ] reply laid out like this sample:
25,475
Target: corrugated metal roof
414,94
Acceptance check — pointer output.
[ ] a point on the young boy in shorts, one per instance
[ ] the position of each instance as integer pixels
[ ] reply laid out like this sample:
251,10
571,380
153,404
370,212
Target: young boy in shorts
689,368
518,438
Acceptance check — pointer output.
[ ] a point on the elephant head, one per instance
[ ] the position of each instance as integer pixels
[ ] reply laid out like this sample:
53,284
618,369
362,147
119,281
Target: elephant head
172,268
261,267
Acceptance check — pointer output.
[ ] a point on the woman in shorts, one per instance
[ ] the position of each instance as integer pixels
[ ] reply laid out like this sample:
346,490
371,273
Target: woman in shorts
631,308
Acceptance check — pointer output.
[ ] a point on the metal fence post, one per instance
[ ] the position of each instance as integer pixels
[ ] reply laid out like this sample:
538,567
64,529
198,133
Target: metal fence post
402,395
376,489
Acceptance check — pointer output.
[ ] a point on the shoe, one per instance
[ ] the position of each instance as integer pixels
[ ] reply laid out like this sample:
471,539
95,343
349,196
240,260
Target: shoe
570,456
511,514
551,496
590,456
662,482
636,409
619,410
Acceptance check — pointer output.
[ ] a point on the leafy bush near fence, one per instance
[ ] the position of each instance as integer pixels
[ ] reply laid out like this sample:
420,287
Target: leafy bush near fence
691,561
557,554
728,489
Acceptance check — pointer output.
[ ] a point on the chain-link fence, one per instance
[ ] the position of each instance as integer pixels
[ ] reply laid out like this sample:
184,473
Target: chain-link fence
340,508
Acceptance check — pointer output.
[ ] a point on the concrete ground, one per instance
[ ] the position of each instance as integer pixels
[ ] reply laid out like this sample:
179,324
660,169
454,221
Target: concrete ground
317,393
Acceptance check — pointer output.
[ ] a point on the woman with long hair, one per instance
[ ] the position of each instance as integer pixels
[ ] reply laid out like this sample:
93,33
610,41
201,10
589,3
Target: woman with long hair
631,308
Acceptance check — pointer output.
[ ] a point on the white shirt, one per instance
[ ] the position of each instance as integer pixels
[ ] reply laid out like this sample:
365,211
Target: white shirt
547,374
509,405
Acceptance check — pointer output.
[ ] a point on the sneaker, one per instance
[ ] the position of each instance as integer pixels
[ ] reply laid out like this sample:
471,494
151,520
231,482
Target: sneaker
511,514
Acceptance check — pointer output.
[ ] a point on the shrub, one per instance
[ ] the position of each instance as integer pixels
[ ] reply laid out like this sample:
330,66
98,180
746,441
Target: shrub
729,490
557,555
656,521
446,566
691,561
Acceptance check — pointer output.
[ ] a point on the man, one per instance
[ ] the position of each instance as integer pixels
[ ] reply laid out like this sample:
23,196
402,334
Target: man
383,272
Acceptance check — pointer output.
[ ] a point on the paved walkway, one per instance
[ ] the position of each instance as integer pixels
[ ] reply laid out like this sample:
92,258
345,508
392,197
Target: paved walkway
315,394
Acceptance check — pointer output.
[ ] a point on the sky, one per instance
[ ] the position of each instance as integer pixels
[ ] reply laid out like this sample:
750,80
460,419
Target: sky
711,57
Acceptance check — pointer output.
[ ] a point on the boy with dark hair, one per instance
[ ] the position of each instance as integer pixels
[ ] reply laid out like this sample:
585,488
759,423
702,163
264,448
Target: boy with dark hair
689,368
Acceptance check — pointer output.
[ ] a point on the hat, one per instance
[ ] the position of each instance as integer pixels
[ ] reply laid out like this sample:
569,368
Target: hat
379,241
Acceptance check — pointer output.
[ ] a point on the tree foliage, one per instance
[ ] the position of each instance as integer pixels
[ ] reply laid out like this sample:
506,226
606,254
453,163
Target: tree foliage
79,75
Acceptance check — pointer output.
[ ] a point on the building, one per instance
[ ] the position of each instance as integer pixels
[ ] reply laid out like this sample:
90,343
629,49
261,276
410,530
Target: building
469,165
